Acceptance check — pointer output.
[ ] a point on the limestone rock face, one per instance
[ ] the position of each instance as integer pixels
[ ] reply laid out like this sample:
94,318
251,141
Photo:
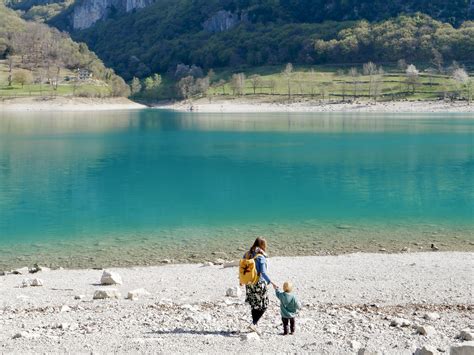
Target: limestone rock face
223,21
88,12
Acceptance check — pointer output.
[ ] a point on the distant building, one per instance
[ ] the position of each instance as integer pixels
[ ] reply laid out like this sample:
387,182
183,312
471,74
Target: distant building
84,74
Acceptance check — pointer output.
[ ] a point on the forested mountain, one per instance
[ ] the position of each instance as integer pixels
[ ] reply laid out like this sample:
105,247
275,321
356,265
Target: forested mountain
142,37
222,33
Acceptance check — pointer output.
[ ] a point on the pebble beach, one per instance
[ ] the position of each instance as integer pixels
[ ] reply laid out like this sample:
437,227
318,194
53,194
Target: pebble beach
354,303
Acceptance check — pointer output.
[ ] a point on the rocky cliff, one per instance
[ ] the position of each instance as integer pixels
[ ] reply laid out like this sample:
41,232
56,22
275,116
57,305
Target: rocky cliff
88,12
223,21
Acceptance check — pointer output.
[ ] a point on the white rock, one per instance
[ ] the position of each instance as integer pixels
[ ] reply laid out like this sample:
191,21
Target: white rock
466,334
400,322
432,316
354,344
79,297
426,330
25,283
135,294
110,278
208,263
331,330
426,350
25,335
234,292
466,348
219,261
106,293
250,337
36,282
166,261
65,309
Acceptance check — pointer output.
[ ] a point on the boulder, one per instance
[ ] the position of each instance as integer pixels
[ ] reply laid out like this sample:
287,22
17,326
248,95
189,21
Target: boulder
426,330
135,294
234,292
79,297
250,337
431,316
466,334
25,283
400,322
36,282
110,278
208,263
219,261
106,293
354,344
426,350
466,348
65,309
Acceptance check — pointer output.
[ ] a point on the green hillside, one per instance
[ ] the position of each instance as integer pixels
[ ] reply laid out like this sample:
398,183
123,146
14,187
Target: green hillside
38,60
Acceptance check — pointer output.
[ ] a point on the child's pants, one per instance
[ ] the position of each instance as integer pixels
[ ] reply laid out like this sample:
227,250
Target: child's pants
285,325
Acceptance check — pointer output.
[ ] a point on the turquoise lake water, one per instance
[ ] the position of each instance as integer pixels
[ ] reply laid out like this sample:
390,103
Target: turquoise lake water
136,187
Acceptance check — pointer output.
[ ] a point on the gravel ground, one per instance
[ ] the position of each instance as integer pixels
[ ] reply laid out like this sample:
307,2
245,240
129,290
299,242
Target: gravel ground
349,303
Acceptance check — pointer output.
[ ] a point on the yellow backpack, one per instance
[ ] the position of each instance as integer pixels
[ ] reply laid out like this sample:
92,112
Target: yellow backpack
248,274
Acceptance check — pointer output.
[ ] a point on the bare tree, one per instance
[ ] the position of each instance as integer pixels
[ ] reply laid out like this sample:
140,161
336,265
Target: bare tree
10,70
288,74
185,86
354,74
370,69
256,82
437,60
402,65
461,77
238,83
412,77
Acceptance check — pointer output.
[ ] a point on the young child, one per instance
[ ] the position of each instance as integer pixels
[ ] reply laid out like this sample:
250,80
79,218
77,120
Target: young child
289,306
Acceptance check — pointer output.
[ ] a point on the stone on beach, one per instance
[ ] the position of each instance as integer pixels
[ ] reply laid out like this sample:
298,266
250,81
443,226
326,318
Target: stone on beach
426,330
426,350
354,344
400,322
231,264
79,297
364,351
466,348
135,294
234,292
431,316
466,334
37,282
106,293
110,278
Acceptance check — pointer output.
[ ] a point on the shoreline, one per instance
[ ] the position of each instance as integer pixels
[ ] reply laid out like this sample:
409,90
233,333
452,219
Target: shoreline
349,302
66,104
257,106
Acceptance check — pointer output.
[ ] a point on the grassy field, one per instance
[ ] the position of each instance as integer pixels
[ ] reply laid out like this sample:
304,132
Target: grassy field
335,83
85,89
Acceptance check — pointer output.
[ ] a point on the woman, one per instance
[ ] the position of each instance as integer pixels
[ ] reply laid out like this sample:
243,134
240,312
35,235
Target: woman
257,295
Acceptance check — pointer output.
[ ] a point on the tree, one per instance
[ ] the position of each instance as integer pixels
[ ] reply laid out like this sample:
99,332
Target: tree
288,74
153,82
256,82
402,65
461,77
437,60
221,84
370,69
10,69
412,77
135,86
185,86
22,77
354,74
118,87
238,84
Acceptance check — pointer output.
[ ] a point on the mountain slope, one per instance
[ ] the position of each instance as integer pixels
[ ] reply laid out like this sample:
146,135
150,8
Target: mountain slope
223,33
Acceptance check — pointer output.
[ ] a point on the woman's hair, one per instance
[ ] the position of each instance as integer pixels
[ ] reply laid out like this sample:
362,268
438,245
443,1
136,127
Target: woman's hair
287,287
260,242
